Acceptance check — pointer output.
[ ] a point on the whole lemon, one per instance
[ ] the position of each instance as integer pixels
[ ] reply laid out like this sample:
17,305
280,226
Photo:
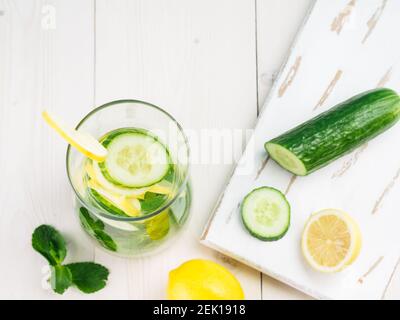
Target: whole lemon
203,280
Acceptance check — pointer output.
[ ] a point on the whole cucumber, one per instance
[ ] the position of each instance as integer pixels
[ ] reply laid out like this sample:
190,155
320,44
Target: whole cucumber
336,132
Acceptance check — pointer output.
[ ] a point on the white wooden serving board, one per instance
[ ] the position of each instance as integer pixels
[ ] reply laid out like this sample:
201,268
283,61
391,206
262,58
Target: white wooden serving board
344,47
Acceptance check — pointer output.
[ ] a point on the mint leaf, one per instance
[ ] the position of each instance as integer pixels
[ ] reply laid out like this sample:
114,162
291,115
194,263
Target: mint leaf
89,277
50,244
106,240
96,229
88,222
61,279
152,201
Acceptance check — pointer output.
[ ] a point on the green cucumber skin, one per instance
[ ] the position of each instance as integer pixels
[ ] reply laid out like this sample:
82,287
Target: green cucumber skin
255,234
267,239
106,205
342,129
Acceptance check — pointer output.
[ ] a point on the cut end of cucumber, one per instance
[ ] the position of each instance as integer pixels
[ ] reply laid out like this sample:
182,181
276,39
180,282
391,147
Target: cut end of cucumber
286,159
266,214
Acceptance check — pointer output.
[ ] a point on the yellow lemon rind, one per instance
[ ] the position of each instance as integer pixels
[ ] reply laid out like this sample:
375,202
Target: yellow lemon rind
99,157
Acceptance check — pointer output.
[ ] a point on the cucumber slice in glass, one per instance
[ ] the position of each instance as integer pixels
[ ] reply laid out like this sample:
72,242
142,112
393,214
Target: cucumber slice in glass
266,213
135,159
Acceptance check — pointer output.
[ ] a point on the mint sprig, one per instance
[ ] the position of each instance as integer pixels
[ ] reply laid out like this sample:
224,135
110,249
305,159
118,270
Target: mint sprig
88,277
96,229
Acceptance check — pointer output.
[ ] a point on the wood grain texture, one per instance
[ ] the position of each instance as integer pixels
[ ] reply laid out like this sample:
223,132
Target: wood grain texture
329,89
45,62
343,16
290,76
386,192
385,78
370,270
262,167
272,52
328,73
390,281
373,20
290,184
348,163
181,56
273,47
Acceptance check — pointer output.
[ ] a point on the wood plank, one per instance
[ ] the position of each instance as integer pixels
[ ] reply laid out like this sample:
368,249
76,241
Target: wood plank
276,46
45,62
196,59
341,57
273,47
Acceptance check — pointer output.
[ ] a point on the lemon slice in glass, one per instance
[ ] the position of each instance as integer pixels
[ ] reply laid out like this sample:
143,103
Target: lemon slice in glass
331,240
83,142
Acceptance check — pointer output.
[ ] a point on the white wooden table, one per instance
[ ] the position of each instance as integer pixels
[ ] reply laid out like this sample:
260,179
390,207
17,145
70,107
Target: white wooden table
210,63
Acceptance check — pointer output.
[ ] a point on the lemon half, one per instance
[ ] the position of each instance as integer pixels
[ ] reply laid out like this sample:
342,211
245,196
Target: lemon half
331,240
203,280
83,142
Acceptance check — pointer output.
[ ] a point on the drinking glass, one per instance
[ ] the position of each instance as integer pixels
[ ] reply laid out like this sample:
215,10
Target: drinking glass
142,235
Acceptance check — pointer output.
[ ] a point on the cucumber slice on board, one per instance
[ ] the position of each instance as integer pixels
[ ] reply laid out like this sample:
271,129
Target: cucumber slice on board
266,213
336,132
135,159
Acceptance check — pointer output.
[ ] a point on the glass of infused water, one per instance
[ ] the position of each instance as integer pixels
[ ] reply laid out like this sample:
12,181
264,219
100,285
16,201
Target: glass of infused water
137,200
